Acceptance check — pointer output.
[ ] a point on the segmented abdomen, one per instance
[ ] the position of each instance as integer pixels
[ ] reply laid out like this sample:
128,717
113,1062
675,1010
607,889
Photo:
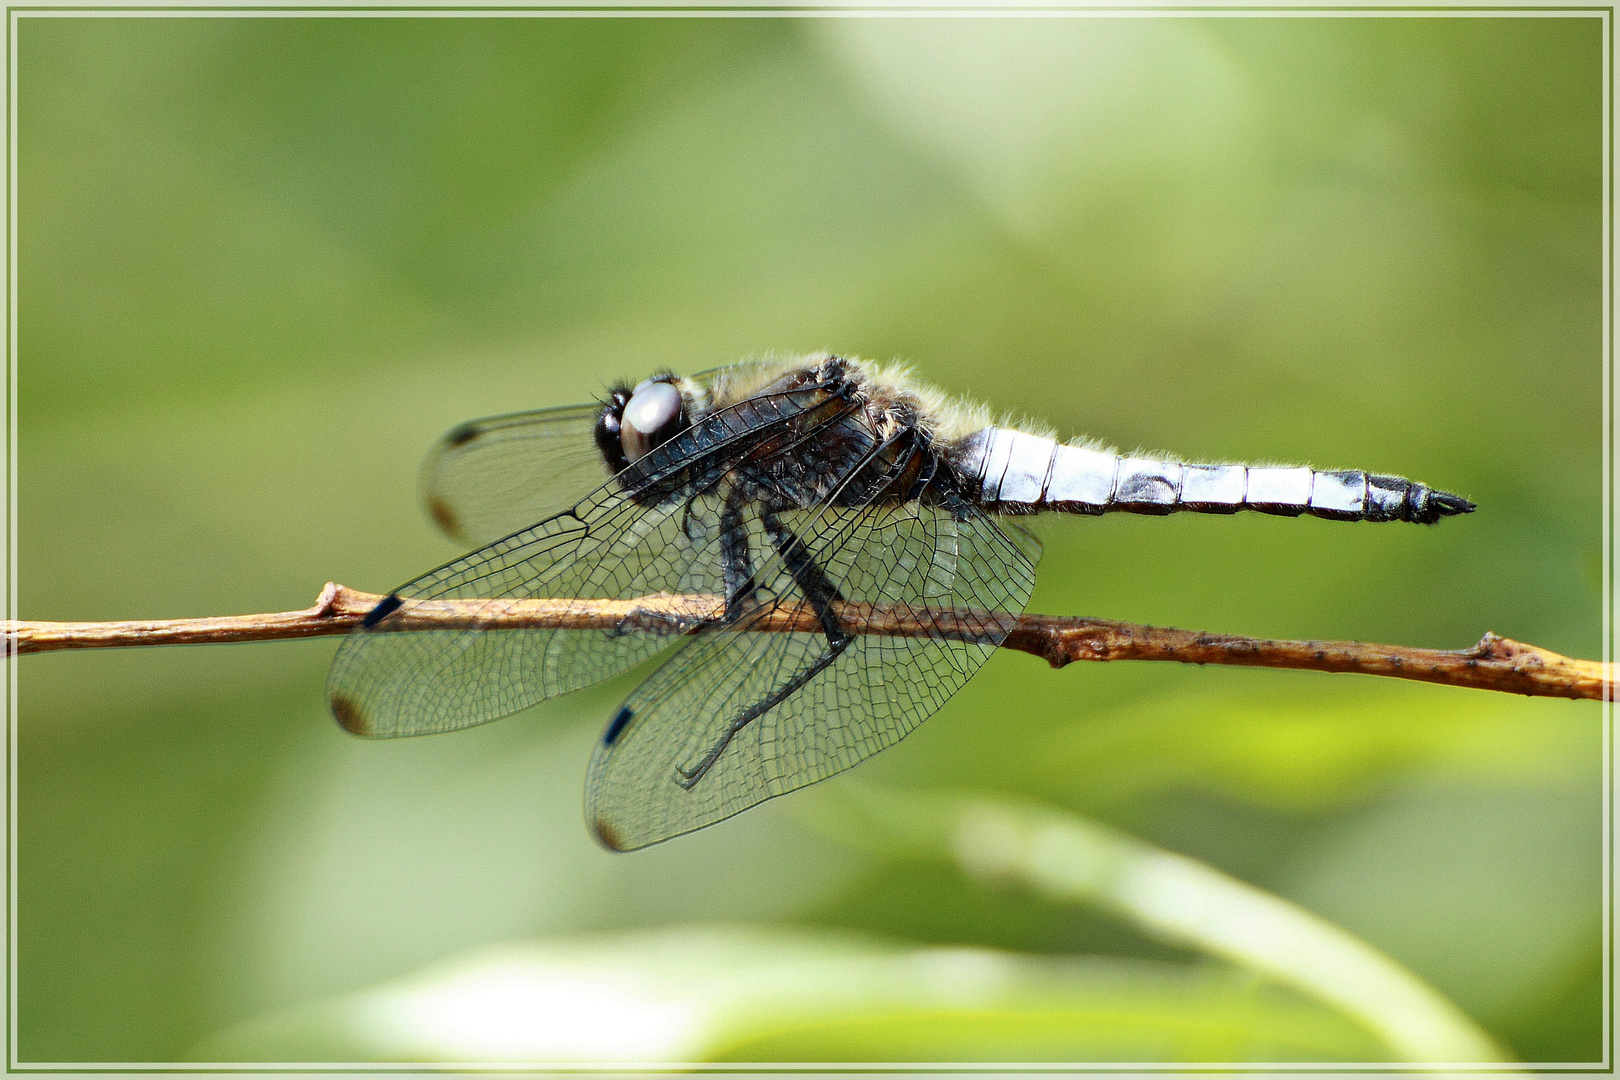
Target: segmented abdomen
1016,472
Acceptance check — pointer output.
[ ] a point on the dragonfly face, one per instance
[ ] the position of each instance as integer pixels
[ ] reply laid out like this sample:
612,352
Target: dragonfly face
819,487
636,422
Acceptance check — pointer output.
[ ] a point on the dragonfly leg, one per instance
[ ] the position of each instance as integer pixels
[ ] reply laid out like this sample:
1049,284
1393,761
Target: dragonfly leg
688,778
808,575
736,567
736,564
819,590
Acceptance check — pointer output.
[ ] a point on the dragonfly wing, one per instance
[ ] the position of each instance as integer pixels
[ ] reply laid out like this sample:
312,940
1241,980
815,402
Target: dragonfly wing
418,682
656,774
486,479
657,531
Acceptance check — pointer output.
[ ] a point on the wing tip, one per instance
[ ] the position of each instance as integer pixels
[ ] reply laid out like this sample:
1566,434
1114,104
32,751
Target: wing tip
607,835
349,715
461,434
444,516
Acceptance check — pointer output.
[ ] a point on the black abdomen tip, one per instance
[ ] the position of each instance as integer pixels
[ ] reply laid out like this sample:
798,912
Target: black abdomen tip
1395,498
1426,506
1450,504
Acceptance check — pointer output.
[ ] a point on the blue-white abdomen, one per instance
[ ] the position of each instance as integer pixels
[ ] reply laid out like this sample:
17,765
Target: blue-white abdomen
1015,472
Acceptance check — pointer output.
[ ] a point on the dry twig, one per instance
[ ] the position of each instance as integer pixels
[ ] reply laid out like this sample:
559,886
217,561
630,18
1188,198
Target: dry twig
1495,663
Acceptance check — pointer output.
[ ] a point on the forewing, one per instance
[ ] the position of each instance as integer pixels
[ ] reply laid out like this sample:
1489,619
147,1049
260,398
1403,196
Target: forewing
486,479
965,578
387,681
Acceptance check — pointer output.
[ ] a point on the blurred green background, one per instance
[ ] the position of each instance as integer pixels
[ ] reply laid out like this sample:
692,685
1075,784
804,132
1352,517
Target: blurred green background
263,263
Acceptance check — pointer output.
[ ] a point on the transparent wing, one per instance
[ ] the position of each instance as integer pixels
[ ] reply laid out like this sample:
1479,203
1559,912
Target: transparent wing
738,716
486,479
657,531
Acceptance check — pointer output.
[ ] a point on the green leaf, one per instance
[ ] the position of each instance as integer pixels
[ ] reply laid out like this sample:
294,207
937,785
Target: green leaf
689,994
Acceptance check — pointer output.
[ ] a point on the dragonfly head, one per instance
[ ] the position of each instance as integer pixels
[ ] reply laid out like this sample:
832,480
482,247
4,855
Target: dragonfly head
637,421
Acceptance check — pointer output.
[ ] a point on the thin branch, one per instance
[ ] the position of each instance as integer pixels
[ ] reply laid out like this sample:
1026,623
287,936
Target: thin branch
1495,663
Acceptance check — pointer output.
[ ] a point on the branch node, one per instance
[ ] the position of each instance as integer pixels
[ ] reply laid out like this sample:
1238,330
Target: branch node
326,603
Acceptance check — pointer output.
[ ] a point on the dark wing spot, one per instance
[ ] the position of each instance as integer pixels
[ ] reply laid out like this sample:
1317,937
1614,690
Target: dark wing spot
461,434
348,714
440,511
616,726
386,607
606,835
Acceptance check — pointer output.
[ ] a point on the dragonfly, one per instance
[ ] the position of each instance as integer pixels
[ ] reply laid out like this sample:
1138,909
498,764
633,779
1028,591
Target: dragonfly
822,488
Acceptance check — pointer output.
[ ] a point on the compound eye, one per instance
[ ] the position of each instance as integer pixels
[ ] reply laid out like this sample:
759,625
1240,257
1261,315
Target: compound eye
652,417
